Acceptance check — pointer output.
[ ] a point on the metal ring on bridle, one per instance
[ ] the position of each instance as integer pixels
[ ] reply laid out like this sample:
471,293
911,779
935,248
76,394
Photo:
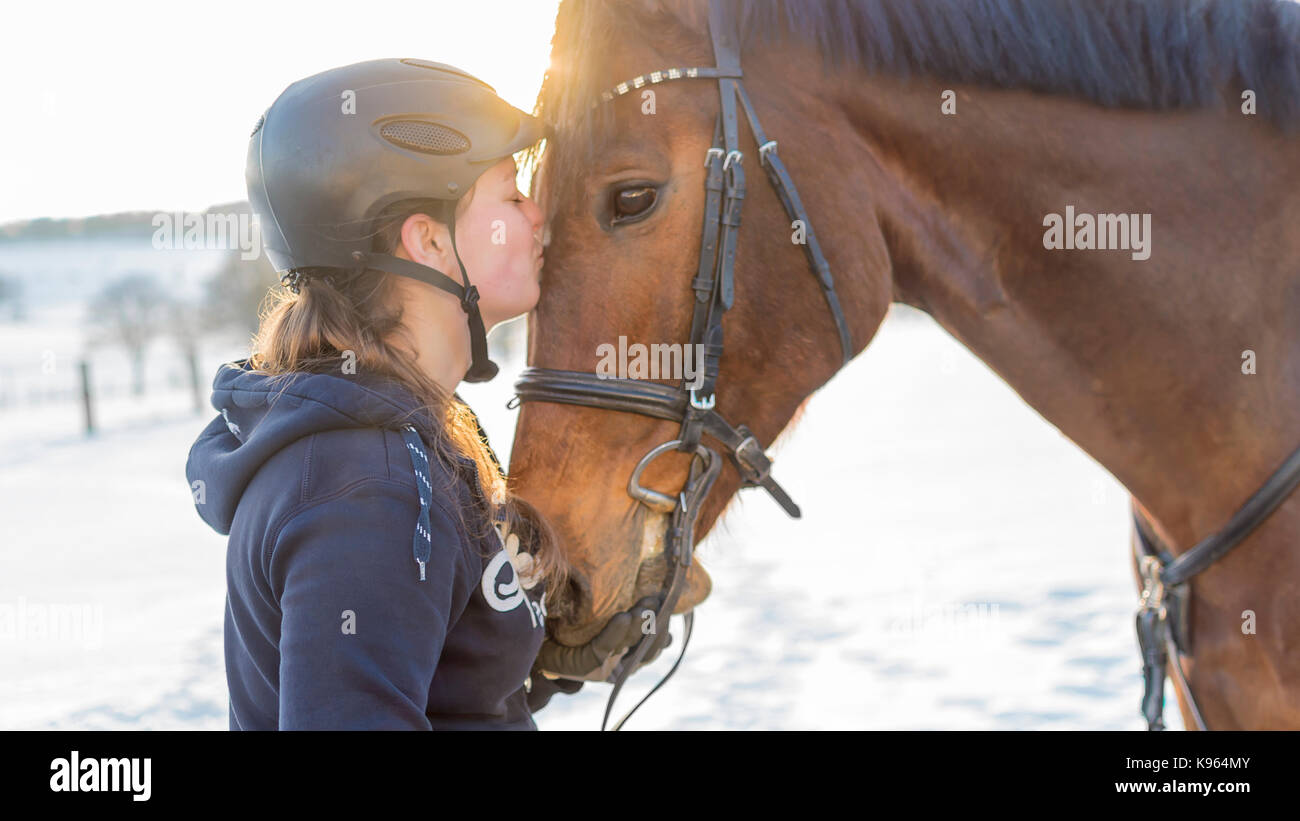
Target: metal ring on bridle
653,499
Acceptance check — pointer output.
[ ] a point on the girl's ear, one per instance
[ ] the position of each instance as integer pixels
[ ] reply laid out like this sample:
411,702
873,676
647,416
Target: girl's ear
428,242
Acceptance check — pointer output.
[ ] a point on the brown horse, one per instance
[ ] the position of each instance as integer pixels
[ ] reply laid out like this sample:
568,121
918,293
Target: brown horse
939,147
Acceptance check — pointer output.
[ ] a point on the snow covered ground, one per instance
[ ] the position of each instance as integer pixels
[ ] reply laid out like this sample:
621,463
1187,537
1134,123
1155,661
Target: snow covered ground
959,565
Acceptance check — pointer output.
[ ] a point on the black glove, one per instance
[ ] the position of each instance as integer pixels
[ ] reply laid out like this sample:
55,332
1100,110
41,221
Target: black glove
595,660
541,688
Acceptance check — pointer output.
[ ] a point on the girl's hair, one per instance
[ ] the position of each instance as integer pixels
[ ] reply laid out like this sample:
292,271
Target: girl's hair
360,313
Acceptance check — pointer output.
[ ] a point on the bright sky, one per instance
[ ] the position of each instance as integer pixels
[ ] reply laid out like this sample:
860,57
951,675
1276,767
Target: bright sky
120,106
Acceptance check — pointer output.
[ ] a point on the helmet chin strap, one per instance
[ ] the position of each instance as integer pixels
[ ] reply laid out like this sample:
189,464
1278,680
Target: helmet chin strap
481,368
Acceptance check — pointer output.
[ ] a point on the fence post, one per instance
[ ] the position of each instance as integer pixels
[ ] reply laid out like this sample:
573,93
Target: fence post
86,398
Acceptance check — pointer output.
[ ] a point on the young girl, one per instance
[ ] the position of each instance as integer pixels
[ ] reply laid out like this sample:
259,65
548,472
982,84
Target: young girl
375,574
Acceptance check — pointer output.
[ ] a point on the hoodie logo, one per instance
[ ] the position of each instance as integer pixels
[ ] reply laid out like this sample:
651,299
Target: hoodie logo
507,595
233,427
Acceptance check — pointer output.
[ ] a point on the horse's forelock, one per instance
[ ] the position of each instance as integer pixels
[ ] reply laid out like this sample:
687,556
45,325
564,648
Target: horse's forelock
588,37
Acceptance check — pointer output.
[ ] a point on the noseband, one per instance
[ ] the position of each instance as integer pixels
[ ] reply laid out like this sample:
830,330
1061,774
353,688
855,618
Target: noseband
714,293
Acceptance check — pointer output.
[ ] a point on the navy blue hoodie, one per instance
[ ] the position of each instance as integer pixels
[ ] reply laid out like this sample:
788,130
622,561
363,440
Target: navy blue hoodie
355,598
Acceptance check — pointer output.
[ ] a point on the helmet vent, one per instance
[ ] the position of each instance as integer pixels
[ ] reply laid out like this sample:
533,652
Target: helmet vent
428,138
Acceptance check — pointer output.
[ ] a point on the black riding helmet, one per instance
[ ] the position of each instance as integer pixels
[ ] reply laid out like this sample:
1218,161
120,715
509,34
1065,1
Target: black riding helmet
336,148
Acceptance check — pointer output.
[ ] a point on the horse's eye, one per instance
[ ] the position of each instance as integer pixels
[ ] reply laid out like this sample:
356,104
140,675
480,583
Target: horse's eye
632,203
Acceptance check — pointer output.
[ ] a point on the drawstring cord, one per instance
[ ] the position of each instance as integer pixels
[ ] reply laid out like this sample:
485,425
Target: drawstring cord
422,544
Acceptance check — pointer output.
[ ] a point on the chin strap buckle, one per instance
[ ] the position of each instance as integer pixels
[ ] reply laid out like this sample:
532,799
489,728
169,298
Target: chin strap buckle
470,299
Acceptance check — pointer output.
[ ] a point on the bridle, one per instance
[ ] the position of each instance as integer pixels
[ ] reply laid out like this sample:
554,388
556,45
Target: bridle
714,293
1162,620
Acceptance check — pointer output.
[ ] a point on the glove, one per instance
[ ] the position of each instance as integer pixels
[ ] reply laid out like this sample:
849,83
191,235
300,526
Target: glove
595,660
562,668
541,688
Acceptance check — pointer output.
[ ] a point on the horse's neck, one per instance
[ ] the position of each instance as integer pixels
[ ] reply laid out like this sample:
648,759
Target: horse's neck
1140,362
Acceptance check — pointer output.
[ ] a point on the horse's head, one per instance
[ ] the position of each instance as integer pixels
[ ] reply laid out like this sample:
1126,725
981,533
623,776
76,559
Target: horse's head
623,185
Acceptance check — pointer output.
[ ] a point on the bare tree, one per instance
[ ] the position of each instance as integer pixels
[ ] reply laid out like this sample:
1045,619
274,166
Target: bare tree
130,311
234,294
184,325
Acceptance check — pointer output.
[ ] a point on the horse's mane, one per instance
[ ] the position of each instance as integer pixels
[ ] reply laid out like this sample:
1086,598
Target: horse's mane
1152,54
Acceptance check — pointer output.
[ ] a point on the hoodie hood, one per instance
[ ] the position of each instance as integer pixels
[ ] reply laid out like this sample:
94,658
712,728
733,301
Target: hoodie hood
262,414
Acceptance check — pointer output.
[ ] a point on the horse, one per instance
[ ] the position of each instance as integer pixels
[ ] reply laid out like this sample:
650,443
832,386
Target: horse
976,161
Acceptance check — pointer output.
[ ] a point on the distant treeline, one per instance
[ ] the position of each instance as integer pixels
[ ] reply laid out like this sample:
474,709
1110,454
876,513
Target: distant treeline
128,224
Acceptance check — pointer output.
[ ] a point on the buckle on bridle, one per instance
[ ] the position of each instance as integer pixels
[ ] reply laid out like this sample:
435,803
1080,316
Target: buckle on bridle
470,299
1153,589
750,456
703,404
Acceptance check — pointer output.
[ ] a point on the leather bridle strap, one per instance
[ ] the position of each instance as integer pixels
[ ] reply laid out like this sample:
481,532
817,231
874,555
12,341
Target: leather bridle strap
706,276
721,221
789,196
657,401
679,545
1162,624
1251,515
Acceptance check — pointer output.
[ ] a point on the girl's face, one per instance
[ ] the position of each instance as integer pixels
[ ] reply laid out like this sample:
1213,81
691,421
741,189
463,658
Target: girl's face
499,236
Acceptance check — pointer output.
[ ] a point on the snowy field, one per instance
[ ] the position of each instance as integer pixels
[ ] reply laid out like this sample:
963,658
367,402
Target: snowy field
959,565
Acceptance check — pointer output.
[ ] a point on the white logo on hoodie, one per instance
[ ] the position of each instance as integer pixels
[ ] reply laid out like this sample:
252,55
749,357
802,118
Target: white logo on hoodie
233,427
510,594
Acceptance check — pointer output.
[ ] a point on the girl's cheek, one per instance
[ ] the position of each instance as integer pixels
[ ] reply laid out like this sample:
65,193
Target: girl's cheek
524,234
